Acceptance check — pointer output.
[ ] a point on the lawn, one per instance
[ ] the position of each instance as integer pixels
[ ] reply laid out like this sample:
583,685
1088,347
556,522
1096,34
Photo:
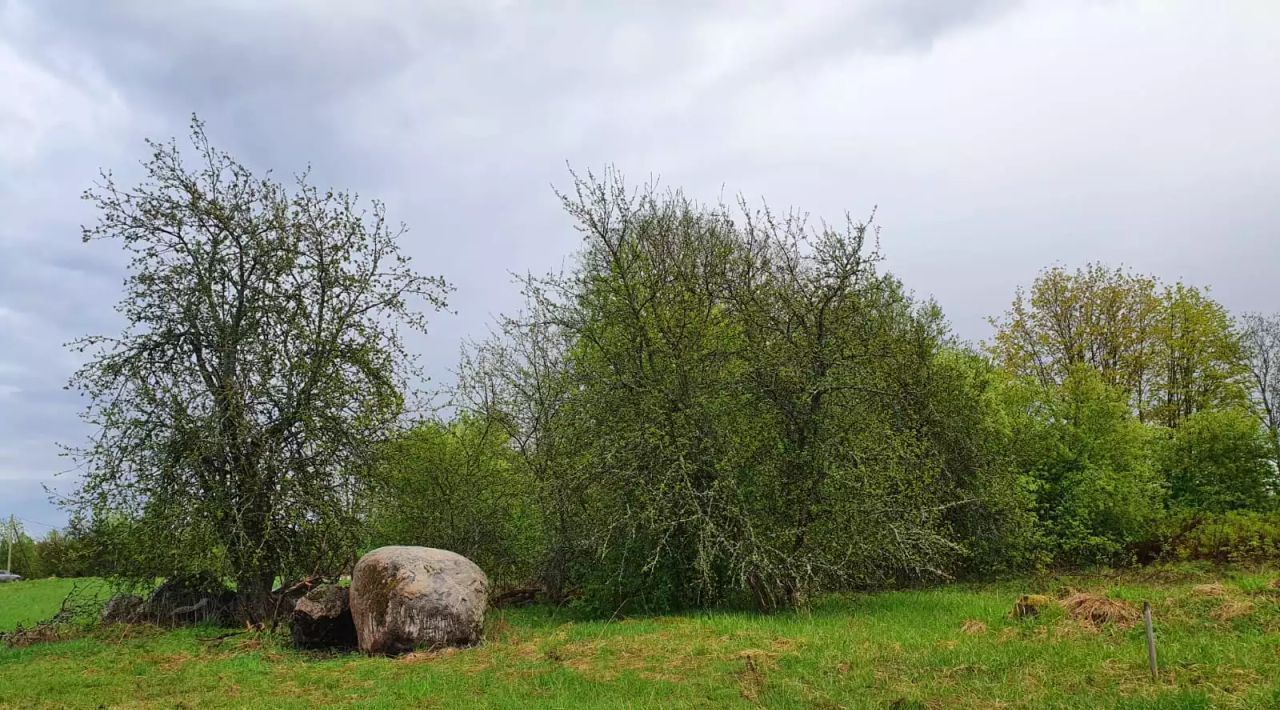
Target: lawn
949,647
30,601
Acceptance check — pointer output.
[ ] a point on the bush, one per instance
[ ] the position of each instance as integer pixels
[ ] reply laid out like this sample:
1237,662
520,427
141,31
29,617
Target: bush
1232,537
456,486
1097,492
1220,460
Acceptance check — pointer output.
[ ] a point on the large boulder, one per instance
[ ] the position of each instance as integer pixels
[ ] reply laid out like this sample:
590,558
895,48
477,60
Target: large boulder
404,598
322,619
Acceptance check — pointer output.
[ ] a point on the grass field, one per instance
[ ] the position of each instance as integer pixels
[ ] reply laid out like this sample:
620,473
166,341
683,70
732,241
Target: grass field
951,647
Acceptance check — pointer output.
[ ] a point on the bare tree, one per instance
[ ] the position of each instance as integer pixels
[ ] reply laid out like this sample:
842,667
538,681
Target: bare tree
1261,338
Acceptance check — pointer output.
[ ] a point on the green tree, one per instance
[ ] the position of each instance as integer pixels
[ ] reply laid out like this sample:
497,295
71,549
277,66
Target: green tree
260,365
18,549
1221,460
1096,487
1260,337
1198,357
1170,348
727,405
457,485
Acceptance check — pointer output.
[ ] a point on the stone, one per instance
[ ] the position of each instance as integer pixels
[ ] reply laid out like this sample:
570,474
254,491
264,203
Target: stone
405,598
322,619
123,609
286,597
1030,605
191,599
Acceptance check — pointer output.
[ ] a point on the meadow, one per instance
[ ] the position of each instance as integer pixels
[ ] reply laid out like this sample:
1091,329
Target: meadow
954,646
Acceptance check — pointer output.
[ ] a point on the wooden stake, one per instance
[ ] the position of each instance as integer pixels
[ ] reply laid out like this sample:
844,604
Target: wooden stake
1151,640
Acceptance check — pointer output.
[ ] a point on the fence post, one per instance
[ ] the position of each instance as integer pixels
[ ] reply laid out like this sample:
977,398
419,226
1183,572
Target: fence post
1151,639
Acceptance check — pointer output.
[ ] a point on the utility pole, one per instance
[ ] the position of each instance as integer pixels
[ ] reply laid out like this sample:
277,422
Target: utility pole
13,528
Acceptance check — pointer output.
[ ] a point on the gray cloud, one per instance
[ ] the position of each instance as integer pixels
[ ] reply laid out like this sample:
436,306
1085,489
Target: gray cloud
995,136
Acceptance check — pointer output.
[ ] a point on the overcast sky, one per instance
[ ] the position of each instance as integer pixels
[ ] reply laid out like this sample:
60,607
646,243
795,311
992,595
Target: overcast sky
995,137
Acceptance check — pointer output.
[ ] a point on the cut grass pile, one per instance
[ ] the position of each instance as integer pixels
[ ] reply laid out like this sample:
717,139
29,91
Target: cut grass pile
950,647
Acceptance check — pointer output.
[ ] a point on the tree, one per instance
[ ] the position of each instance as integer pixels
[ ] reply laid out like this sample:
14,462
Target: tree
18,550
723,405
1221,460
1097,490
1197,357
456,485
1260,335
261,363
1170,348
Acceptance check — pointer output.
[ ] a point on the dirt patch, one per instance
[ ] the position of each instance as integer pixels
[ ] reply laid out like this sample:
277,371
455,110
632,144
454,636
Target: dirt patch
1100,611
1029,605
426,656
755,665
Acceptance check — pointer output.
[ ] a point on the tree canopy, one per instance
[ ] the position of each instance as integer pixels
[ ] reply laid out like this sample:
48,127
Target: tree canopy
236,414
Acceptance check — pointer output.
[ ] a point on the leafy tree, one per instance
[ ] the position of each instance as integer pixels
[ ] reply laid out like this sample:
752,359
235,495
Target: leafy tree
260,365
18,546
1170,348
1096,486
723,406
1221,460
1198,357
1096,316
60,555
458,486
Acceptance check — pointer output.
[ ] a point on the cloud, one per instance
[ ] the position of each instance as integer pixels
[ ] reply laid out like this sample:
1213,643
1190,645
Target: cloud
996,136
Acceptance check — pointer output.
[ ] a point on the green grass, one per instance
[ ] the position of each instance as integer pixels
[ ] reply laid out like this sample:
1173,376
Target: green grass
1219,647
30,601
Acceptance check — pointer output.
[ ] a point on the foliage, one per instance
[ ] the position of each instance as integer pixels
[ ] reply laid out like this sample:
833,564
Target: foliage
458,486
24,555
1233,537
1170,348
1096,488
236,413
720,406
1260,335
1220,460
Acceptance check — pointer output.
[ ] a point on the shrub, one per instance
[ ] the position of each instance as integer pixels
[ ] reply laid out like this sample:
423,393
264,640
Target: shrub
456,486
1231,537
1220,460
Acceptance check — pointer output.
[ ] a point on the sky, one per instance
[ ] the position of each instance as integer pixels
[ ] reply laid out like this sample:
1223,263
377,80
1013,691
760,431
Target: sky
992,137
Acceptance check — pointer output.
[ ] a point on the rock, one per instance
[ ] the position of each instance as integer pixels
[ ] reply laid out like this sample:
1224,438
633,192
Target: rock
191,599
204,611
403,598
286,597
123,609
322,619
1030,605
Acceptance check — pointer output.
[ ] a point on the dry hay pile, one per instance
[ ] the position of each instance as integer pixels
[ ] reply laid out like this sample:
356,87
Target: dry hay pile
1099,611
1210,590
1232,609
973,627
